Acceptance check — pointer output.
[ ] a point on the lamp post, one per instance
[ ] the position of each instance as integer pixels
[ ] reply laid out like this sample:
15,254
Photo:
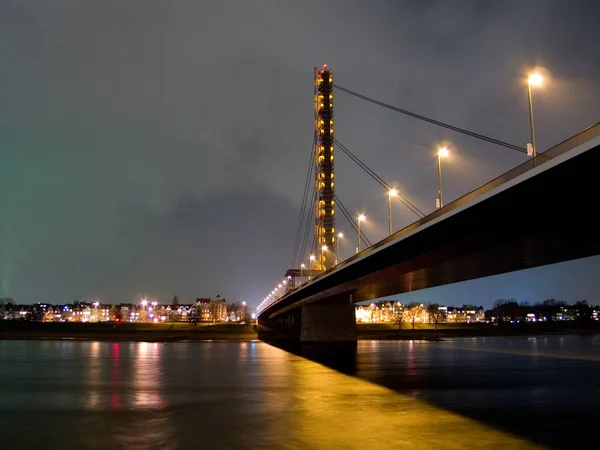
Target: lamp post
302,267
311,259
337,248
323,250
361,218
442,153
391,193
534,79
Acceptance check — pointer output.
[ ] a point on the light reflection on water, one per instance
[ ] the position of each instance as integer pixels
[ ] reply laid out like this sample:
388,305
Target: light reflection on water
252,395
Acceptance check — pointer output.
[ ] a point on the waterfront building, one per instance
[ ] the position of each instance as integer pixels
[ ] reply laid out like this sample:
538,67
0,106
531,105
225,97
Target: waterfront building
211,309
465,314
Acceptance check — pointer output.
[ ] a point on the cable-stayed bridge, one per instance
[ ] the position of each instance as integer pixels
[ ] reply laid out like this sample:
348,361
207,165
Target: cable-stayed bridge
540,212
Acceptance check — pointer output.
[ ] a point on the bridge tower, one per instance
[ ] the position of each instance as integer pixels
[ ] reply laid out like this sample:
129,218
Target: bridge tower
324,174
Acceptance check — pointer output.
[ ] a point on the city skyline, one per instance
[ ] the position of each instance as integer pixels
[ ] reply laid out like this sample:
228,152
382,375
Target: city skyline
145,157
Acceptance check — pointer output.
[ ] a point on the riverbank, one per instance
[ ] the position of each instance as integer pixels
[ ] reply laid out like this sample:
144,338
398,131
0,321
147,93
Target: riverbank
178,332
432,335
449,331
175,332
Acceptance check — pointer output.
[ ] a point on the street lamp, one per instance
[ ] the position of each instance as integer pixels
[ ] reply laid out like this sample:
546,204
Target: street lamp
311,259
144,302
302,267
442,153
337,248
361,218
535,79
391,193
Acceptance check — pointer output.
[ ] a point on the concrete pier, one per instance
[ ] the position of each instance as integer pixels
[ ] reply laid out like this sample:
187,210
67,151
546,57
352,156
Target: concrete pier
331,321
328,323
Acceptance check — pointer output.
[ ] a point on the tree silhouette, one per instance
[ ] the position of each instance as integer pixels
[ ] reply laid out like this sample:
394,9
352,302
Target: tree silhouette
435,314
412,310
398,314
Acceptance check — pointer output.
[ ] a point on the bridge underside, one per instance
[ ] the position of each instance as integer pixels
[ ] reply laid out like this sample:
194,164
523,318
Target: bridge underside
332,320
549,218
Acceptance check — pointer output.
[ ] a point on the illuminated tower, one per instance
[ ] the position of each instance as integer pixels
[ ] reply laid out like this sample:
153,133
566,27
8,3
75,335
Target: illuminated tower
324,203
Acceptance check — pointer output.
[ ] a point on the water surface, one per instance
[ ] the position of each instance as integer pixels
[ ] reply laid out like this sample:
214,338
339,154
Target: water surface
472,393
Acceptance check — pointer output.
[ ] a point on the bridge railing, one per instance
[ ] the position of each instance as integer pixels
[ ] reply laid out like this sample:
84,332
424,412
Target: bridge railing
563,147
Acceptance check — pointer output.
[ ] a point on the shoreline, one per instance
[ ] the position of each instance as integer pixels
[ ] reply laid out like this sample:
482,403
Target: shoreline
460,333
260,334
130,337
238,332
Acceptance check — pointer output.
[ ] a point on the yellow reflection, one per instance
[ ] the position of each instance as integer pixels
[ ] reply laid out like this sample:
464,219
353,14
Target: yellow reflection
275,367
93,378
331,410
148,377
154,430
145,421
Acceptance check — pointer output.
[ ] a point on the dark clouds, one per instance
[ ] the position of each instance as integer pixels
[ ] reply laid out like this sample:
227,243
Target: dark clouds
160,147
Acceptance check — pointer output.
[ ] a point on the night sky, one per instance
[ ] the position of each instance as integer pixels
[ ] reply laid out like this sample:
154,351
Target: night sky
159,147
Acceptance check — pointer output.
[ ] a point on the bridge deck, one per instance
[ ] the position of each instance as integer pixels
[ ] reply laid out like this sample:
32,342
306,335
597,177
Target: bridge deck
369,275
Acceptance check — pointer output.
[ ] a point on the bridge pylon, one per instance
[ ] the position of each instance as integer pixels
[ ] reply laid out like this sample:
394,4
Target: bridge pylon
324,173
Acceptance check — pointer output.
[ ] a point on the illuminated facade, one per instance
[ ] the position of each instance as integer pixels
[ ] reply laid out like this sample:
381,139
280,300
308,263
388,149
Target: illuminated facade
211,310
324,173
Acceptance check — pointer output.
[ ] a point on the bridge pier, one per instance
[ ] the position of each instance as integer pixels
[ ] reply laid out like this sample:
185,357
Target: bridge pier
328,322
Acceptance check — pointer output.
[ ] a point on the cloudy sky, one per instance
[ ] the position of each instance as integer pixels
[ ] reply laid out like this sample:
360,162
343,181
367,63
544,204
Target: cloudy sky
159,147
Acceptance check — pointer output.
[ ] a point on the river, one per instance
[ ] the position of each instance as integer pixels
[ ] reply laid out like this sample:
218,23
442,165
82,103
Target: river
530,392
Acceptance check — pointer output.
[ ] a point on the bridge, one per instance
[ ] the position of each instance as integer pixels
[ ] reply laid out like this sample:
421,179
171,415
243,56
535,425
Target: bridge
540,212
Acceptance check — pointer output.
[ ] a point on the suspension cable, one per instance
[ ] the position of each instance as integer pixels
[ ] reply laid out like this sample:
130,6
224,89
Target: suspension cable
308,225
437,122
301,218
379,180
350,220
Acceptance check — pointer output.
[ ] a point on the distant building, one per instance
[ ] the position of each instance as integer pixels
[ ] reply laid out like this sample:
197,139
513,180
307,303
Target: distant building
212,309
127,312
465,314
380,312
